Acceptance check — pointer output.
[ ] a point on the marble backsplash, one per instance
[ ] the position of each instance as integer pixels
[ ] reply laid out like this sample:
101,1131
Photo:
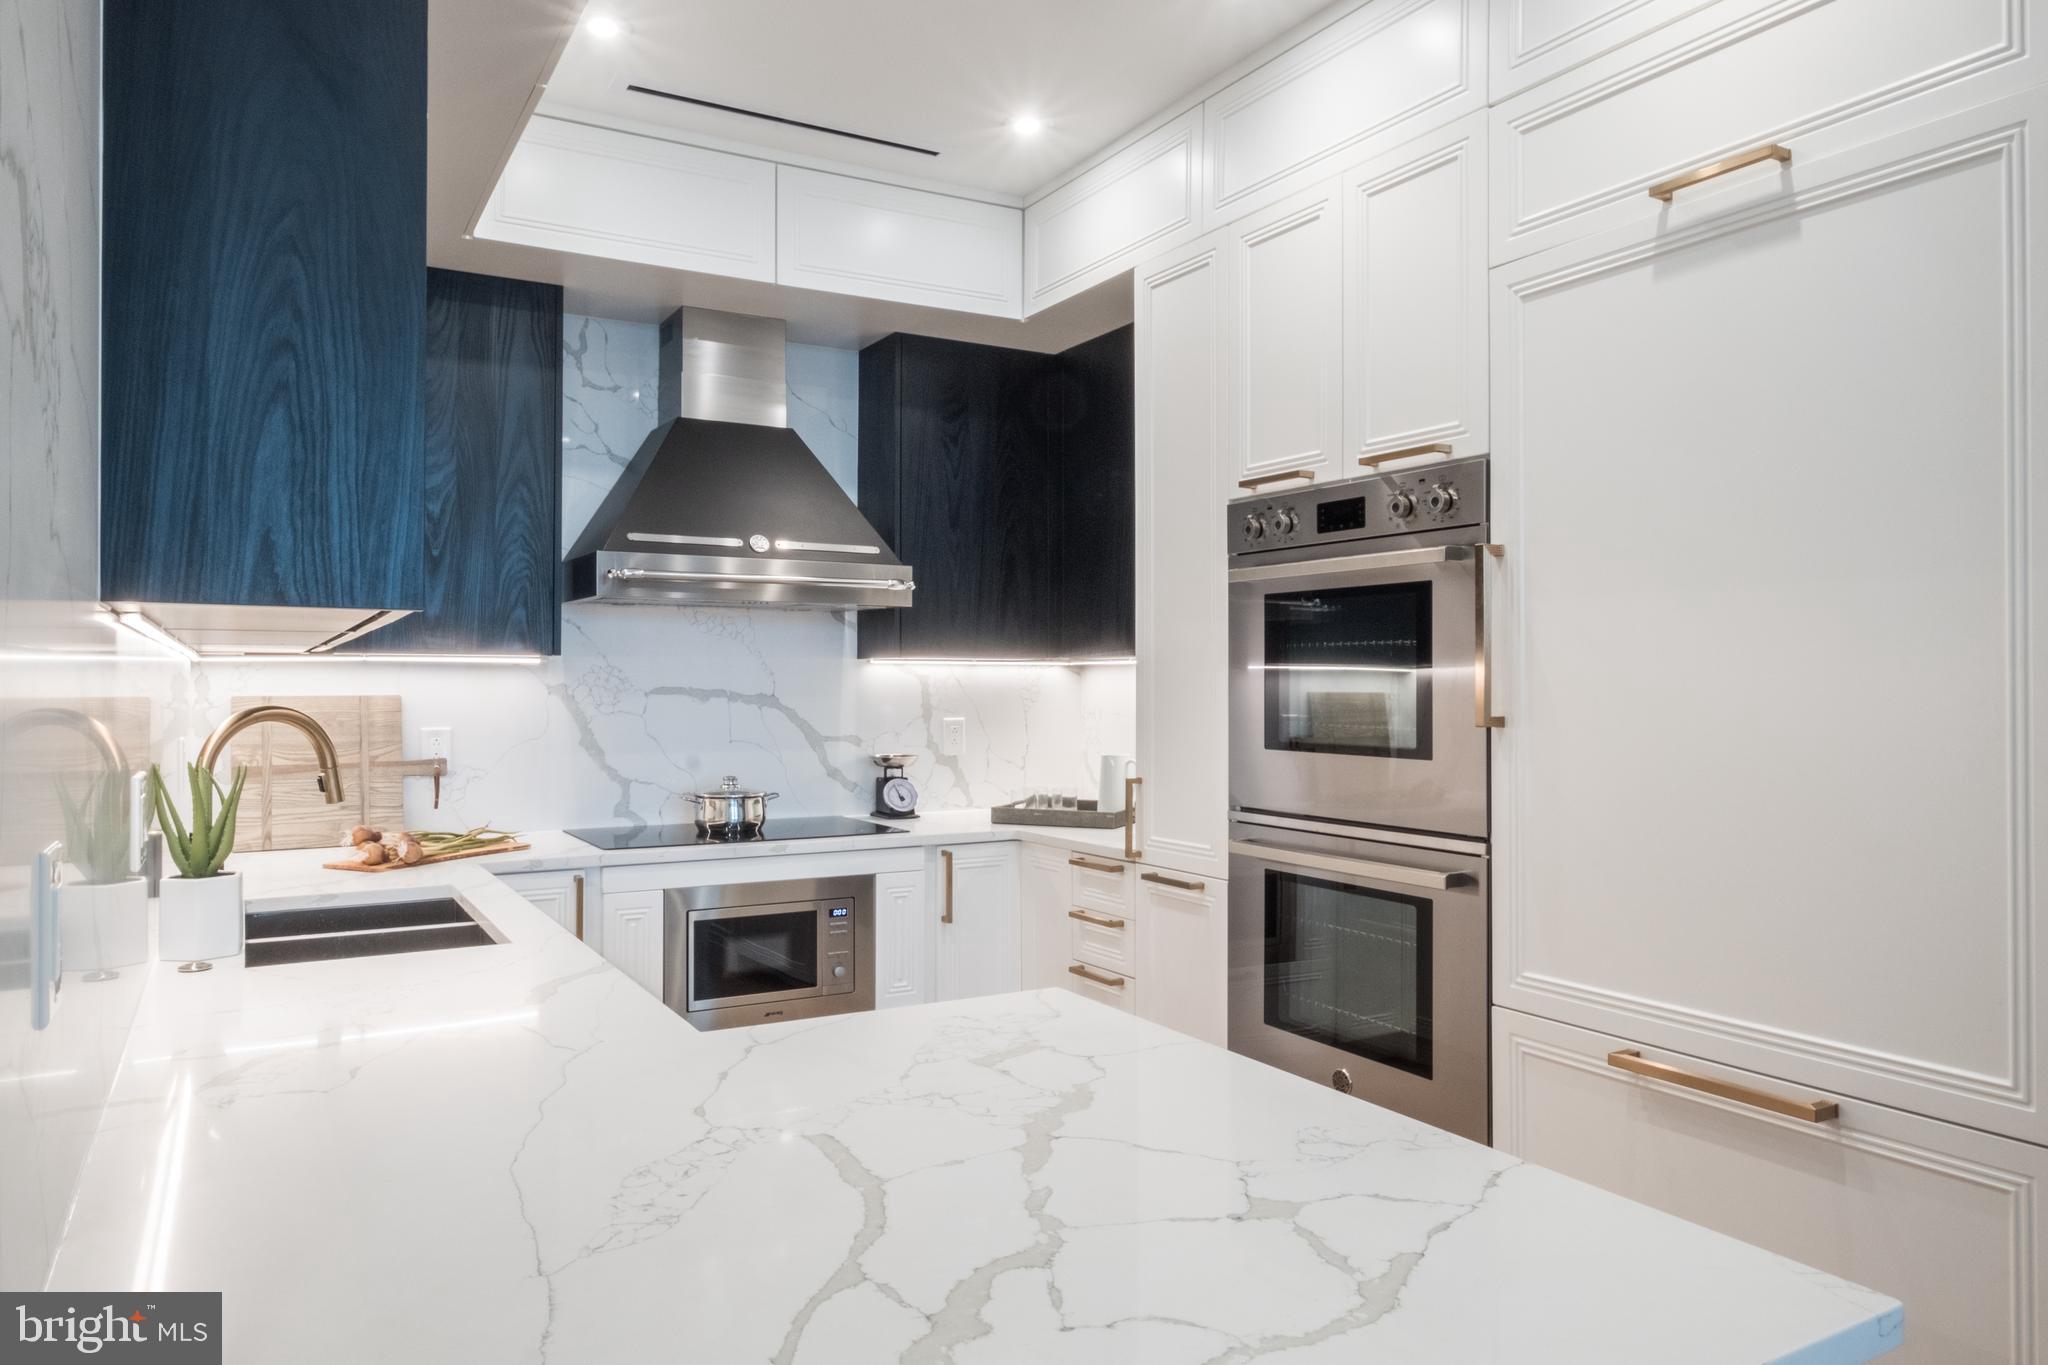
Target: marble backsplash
646,704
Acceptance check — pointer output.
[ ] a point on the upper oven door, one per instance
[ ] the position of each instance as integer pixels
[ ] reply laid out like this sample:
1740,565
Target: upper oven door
1351,690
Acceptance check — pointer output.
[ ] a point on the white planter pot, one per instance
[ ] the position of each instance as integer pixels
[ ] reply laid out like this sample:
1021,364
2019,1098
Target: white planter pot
198,918
103,927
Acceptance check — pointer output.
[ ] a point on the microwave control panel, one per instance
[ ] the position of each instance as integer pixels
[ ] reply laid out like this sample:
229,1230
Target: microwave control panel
1445,496
837,977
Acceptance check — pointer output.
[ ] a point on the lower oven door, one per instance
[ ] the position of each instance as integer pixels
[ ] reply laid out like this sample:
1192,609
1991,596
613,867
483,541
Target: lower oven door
1352,690
1363,965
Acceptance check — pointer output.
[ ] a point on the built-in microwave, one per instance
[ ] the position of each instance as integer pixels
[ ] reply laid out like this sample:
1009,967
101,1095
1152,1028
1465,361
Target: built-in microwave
759,952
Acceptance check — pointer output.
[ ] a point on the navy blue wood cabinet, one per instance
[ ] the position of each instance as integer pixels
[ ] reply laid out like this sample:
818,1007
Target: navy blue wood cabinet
263,302
1004,479
492,492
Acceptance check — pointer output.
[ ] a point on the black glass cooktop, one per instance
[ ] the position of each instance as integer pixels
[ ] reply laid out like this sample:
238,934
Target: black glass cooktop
774,831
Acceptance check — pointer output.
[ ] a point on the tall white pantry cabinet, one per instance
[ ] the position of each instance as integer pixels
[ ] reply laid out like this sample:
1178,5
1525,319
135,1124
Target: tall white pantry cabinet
1767,444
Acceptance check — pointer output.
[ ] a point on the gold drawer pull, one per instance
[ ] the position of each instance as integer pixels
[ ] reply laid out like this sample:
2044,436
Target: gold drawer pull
1482,649
946,857
1099,978
1261,480
1389,456
1099,921
1770,151
1131,785
1812,1111
1093,865
1165,880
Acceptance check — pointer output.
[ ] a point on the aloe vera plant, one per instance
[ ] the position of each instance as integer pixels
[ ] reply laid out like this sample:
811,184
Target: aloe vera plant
96,829
201,851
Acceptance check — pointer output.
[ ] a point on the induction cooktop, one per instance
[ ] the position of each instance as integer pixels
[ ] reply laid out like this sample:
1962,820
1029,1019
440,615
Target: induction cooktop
773,831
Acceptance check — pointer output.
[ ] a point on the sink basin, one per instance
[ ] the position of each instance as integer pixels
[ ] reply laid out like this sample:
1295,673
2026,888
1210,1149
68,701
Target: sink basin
331,931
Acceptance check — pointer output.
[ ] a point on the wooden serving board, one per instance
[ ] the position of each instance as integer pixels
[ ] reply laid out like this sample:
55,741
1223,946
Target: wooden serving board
429,860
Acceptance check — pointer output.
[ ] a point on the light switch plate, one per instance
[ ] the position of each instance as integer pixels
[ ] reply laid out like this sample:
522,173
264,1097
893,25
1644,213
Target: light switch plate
952,734
438,739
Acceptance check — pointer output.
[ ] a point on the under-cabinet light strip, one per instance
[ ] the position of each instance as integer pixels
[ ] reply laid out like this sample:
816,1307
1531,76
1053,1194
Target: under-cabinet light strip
999,663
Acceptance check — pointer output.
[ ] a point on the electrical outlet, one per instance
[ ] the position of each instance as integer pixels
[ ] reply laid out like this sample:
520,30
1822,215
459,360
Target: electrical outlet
952,735
437,738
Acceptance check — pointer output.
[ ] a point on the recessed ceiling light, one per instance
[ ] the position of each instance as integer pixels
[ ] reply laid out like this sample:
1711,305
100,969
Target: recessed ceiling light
1027,125
604,26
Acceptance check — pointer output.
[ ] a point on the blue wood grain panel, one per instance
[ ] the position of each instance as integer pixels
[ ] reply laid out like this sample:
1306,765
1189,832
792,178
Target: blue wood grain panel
263,296
492,492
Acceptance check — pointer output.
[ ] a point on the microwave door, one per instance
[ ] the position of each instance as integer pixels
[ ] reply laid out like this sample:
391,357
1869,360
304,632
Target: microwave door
1352,691
1364,971
753,955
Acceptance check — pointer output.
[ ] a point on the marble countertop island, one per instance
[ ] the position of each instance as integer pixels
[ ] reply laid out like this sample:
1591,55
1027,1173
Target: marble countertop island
513,1153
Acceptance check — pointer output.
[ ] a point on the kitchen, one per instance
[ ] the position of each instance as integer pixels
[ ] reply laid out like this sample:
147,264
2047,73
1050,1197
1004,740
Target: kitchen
1122,699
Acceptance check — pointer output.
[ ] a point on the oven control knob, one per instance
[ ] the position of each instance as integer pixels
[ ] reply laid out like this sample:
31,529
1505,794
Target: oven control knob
1285,522
840,970
1254,527
1440,499
1400,506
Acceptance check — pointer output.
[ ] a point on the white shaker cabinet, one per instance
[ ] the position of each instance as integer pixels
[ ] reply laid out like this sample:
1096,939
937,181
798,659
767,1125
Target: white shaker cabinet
1182,953
1286,321
848,235
1939,1216
632,935
1137,202
1184,407
979,931
1042,906
561,896
906,941
1579,153
1414,345
1770,629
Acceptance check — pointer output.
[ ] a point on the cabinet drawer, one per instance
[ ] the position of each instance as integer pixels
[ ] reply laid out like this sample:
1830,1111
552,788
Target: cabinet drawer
1112,988
1580,152
1102,884
1938,1216
1109,941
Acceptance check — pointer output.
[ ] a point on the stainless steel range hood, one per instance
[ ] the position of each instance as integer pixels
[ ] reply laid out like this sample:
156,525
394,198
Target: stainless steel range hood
724,505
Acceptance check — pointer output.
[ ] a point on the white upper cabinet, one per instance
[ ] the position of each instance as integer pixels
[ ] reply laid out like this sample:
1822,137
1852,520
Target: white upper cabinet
600,192
1287,321
1415,297
1580,153
1184,401
1771,637
1378,75
852,236
1533,40
1136,203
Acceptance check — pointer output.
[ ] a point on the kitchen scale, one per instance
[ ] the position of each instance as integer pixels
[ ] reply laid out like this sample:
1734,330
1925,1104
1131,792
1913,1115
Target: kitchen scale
895,794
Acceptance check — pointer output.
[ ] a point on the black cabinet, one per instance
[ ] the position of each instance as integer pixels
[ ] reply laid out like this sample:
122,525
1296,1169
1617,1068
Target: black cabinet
492,490
1004,479
263,297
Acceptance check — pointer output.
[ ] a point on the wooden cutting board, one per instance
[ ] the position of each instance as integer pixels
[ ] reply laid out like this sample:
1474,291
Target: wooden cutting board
353,866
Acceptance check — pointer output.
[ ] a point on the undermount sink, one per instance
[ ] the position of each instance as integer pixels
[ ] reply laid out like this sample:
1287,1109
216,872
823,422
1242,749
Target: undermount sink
337,931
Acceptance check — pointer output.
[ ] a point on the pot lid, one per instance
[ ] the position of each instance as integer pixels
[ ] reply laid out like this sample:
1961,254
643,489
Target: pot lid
730,788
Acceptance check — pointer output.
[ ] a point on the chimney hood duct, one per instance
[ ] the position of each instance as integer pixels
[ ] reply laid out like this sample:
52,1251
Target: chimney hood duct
724,505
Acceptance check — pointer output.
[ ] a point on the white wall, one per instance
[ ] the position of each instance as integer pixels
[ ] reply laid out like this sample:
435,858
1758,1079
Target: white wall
647,704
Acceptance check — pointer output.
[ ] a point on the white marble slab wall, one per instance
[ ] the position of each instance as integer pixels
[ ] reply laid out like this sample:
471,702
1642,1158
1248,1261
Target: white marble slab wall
647,704
75,706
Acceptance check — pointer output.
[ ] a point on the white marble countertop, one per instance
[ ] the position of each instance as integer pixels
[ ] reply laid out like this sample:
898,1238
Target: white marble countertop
513,1153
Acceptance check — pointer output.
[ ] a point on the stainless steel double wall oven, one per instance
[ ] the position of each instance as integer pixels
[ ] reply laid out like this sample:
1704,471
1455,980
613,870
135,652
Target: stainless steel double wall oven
1359,725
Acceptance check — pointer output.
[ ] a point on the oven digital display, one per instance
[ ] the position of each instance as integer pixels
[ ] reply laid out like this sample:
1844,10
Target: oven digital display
840,911
1344,514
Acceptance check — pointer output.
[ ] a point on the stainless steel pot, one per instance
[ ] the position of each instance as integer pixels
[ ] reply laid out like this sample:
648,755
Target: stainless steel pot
730,812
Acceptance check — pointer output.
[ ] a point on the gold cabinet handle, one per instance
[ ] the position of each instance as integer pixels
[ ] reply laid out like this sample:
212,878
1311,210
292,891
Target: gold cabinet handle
579,904
1482,649
946,857
1770,151
1811,1111
1094,864
1099,978
1176,882
1389,456
1131,785
1261,480
1099,921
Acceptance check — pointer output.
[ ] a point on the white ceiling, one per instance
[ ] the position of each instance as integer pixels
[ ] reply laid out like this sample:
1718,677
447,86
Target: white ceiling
943,74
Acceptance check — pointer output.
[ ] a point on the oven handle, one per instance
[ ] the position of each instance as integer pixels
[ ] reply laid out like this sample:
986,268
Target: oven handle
1427,878
1382,559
